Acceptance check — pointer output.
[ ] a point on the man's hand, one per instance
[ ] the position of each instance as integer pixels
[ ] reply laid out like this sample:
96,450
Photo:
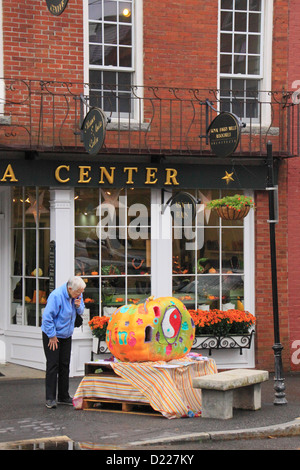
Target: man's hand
77,301
53,343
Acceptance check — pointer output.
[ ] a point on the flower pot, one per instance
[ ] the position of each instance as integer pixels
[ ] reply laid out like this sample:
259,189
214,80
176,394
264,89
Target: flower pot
99,346
228,213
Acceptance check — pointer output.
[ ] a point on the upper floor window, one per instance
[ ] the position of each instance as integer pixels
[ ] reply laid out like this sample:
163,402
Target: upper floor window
111,55
241,54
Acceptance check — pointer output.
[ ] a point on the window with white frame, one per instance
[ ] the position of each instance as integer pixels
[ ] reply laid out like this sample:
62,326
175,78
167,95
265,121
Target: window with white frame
111,55
241,56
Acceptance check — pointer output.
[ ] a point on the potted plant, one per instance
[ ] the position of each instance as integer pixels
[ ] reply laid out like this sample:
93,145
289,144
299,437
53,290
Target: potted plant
232,207
98,326
228,329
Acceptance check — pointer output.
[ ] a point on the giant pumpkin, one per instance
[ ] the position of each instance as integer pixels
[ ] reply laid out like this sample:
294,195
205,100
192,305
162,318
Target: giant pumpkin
159,329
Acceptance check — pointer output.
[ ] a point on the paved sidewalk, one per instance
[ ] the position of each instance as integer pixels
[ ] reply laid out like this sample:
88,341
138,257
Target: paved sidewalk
24,416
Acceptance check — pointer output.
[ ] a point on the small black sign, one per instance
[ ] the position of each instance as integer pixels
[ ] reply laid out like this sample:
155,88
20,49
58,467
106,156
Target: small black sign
183,208
52,266
93,128
56,7
224,134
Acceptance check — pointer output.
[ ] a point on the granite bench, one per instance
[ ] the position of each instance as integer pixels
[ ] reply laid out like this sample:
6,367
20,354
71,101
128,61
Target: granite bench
237,388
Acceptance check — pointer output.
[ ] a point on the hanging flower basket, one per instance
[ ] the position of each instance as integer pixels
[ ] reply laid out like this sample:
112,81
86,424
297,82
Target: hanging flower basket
229,213
232,207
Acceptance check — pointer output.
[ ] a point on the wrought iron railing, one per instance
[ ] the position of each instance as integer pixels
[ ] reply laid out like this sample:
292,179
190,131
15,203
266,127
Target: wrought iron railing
47,116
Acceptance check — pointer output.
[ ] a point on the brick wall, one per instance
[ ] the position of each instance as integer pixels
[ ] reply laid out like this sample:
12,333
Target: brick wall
180,43
263,282
39,45
180,50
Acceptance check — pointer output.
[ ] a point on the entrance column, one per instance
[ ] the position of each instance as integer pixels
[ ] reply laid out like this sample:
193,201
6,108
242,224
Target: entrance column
62,232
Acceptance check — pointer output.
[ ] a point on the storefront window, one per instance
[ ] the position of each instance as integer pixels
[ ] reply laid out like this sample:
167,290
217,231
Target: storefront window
208,258
112,247
30,256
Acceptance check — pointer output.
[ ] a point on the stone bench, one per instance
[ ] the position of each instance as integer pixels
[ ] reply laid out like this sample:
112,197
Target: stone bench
237,388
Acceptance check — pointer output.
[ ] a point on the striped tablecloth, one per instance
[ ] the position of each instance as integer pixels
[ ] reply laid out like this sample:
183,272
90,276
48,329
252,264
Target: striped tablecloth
167,386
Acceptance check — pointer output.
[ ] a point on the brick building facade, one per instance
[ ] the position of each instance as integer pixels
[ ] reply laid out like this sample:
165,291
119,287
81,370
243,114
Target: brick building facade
177,55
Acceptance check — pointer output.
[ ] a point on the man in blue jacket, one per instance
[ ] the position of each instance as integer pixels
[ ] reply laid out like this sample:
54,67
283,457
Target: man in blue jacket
57,326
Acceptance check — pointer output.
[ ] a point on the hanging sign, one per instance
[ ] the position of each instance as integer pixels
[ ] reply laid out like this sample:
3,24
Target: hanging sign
56,7
224,134
183,207
93,129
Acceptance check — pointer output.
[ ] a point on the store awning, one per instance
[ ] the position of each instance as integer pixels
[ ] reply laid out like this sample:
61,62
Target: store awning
164,174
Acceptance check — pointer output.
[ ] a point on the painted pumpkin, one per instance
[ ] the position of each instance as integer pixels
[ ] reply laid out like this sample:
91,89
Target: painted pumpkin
158,330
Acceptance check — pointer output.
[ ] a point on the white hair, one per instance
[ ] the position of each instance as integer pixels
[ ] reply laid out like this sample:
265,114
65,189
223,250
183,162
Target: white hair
76,283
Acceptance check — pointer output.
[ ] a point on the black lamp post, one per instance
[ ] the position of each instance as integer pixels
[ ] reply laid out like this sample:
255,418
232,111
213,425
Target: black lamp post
279,385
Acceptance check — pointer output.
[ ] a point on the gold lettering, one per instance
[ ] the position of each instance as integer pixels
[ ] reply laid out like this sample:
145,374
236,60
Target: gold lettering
57,8
130,170
89,123
150,174
224,135
93,142
109,176
171,174
98,126
9,173
84,173
57,173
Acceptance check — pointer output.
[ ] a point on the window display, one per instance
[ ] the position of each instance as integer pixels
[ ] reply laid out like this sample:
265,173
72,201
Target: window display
113,247
208,258
30,256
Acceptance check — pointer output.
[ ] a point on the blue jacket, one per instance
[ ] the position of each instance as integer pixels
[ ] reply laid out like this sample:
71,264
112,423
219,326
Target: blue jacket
60,313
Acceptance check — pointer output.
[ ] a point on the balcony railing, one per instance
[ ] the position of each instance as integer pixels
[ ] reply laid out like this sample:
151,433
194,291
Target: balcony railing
47,116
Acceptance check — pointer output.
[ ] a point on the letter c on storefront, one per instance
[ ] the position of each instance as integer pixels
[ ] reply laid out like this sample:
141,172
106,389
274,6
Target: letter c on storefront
57,173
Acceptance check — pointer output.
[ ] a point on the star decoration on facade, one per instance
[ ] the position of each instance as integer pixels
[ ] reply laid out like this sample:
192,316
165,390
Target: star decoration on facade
228,177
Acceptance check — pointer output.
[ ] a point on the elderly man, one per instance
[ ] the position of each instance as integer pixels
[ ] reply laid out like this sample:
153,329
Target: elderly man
57,326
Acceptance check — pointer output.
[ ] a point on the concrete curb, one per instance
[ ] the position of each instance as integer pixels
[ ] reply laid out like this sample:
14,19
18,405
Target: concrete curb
292,428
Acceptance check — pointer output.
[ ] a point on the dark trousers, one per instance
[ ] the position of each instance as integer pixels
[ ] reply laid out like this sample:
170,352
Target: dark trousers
57,368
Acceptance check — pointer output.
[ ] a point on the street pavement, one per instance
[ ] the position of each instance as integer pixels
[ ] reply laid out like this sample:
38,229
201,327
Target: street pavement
24,417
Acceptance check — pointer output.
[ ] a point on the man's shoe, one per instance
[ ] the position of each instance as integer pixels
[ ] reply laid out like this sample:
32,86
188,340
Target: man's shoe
51,404
65,401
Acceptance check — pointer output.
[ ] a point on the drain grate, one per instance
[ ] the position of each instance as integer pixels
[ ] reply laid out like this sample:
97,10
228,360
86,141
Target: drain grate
51,443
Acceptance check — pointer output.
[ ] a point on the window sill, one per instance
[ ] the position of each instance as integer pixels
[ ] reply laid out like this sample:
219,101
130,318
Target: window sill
128,126
5,120
256,129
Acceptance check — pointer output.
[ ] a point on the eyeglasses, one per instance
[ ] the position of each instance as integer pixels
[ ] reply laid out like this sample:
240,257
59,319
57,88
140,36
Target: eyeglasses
77,292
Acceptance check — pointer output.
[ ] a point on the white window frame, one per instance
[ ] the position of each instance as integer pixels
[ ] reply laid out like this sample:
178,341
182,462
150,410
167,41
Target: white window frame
266,62
137,57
